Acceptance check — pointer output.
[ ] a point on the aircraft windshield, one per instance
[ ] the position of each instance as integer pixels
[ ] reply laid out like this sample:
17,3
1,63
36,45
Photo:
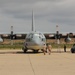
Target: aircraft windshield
36,34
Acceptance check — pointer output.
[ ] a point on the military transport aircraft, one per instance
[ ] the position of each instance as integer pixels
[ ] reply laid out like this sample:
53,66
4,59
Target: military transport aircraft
34,40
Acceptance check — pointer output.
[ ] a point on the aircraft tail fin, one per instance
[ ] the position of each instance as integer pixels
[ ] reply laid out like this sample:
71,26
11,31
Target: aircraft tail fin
33,26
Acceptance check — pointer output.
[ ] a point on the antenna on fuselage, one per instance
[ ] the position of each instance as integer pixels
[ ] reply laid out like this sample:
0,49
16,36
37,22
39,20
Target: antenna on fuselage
33,27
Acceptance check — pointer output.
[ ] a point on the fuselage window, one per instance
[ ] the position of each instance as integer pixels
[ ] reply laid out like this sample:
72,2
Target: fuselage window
43,39
31,35
39,37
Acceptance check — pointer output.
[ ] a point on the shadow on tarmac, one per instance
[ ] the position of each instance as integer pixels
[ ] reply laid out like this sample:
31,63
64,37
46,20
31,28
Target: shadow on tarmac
18,52
30,52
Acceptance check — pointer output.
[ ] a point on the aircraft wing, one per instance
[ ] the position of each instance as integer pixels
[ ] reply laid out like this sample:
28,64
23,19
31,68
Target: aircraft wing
47,35
60,35
14,36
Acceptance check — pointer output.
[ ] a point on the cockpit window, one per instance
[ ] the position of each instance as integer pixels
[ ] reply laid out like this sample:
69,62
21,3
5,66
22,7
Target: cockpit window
36,34
30,35
41,34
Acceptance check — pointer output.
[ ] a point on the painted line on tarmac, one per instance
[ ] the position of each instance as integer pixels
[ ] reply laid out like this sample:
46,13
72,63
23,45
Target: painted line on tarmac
31,64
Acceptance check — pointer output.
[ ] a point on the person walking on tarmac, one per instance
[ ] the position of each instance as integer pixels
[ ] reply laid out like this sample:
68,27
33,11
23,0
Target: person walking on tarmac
64,48
49,48
44,49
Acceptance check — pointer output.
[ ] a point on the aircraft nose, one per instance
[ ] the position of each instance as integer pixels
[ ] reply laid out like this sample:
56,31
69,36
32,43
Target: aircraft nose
37,42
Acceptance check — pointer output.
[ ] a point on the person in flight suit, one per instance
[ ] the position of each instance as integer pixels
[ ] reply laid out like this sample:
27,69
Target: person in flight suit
49,48
44,49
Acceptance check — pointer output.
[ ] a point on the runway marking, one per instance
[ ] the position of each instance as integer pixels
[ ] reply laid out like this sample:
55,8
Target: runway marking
31,64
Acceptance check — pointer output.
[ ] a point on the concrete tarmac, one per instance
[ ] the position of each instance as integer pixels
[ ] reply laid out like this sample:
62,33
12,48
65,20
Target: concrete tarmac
15,62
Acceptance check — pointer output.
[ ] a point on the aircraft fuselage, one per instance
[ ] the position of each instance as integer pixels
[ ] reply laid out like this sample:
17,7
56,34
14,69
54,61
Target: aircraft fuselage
34,41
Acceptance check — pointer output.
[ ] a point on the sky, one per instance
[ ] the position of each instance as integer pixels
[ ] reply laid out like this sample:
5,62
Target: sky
47,14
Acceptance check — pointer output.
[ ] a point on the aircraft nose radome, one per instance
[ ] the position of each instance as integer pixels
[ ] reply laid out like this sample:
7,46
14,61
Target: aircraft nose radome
37,42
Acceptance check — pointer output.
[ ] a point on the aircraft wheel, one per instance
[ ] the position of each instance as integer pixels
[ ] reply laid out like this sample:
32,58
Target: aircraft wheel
72,50
42,50
35,51
25,50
